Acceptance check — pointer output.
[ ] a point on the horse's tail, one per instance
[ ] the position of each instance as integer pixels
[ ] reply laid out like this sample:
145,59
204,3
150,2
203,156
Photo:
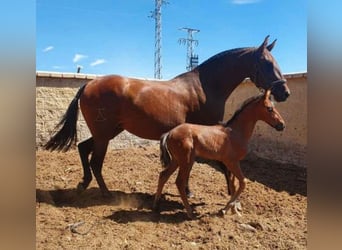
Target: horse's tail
64,138
165,157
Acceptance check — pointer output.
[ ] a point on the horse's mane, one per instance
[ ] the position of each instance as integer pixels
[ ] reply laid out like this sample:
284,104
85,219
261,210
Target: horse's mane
226,53
239,110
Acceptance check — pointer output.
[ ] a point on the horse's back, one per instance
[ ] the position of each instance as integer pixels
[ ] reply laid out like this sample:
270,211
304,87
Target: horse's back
146,108
99,87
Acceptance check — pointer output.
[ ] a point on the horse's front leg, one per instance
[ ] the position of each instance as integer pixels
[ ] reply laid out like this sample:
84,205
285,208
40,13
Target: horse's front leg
228,176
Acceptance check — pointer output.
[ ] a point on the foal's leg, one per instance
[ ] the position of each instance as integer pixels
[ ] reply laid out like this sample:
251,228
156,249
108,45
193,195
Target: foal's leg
96,163
163,177
227,174
219,166
84,149
187,189
181,181
233,202
231,184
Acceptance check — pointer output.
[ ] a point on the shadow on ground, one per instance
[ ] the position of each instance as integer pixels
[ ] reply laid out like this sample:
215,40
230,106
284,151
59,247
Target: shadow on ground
278,176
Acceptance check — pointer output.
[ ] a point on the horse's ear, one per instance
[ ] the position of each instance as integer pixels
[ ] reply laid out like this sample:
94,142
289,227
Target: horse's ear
263,46
270,47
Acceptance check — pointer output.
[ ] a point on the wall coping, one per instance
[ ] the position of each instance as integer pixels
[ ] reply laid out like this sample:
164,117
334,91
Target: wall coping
52,74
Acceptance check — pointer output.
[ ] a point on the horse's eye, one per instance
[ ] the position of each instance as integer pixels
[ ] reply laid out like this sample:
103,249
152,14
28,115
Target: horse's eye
269,109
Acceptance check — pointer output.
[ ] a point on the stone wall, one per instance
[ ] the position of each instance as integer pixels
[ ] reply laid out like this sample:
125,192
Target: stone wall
54,91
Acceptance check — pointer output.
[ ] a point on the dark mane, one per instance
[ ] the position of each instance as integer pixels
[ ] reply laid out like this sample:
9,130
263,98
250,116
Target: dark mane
226,53
239,110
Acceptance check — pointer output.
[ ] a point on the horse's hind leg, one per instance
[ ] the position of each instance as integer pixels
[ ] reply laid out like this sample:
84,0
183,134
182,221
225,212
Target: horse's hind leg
96,163
84,149
229,177
219,166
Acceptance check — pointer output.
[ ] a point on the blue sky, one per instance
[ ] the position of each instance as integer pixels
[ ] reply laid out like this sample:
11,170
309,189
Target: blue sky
117,37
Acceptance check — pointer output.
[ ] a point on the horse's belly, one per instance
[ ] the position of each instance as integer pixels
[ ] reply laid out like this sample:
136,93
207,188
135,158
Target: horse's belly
151,121
147,130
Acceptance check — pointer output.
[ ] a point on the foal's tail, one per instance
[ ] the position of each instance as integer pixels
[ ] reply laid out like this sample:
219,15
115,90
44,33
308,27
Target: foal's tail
165,157
63,139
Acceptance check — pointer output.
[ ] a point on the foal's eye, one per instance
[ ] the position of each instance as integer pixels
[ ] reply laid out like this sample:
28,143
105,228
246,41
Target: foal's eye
269,109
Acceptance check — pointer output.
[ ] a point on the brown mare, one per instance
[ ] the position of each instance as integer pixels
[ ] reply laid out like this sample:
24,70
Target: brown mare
147,108
226,143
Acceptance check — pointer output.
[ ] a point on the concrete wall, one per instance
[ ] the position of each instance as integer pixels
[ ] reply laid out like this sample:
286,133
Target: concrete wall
290,145
54,91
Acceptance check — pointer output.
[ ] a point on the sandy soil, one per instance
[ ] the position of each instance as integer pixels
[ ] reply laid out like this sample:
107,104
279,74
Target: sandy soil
274,206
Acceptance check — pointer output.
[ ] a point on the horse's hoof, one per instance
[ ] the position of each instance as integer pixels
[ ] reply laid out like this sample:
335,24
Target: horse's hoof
80,188
106,194
156,210
191,216
156,207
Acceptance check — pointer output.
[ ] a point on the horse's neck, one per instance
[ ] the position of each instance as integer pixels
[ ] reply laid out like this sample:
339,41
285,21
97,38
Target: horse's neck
243,126
227,74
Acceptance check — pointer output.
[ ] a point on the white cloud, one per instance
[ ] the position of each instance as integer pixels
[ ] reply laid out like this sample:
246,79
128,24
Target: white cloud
78,57
97,62
245,1
48,48
57,67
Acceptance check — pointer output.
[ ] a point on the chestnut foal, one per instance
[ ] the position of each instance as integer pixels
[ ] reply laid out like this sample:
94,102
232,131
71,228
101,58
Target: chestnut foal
226,143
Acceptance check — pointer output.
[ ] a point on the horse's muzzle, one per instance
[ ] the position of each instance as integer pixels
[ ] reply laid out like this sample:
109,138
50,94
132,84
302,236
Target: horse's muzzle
280,91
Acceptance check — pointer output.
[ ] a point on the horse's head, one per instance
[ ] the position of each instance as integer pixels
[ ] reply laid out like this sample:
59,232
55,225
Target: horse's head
267,74
268,113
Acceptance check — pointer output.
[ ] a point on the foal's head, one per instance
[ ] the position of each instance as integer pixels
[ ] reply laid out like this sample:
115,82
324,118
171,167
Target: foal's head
266,111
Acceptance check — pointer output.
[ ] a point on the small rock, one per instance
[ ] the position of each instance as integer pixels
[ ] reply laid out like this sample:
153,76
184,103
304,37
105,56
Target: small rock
247,227
256,225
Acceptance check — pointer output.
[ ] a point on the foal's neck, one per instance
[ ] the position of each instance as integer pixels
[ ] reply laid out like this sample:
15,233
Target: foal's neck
244,125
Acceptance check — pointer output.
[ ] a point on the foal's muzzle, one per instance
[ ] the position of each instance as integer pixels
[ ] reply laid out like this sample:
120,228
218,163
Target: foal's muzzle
280,126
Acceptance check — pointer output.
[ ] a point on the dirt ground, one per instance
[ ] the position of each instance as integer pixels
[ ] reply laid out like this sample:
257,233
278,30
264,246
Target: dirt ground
273,217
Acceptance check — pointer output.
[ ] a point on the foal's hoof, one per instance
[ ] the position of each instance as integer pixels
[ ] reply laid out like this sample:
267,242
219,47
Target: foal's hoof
235,208
190,194
222,212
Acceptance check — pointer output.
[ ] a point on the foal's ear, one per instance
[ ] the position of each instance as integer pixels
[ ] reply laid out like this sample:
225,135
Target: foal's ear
267,95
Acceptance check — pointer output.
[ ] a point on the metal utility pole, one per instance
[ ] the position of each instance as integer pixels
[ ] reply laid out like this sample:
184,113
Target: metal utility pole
191,58
156,14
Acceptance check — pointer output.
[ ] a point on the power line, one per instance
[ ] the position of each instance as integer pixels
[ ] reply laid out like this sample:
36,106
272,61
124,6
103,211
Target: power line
191,58
157,15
